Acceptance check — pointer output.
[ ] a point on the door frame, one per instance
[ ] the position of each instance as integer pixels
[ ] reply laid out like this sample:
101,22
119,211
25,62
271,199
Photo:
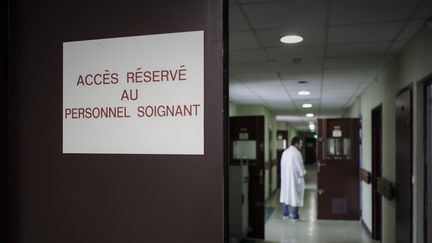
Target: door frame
376,115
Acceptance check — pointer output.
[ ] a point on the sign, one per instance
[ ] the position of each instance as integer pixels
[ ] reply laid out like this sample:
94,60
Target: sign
134,95
336,133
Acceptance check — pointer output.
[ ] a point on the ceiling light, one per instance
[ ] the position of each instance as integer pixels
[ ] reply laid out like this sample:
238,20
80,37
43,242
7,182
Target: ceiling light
307,105
309,115
291,39
312,126
315,136
302,82
304,92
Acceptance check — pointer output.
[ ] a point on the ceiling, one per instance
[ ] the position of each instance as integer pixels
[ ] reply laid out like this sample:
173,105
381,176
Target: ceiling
347,43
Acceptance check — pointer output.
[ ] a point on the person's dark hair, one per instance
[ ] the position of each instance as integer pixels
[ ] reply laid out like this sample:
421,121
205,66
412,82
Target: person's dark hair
295,140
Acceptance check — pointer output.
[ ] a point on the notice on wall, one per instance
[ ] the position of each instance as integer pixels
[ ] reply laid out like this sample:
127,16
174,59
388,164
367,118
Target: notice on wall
134,95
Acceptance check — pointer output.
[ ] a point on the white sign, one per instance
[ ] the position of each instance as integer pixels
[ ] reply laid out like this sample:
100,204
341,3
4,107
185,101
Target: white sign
134,95
337,133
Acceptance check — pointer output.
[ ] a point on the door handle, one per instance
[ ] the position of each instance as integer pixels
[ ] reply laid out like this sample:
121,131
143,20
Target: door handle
319,164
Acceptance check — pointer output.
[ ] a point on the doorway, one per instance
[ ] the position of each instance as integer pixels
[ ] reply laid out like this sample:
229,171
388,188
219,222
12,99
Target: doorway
404,210
310,151
376,171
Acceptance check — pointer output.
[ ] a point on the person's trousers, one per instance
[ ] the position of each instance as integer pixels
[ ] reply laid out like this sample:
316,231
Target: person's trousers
294,211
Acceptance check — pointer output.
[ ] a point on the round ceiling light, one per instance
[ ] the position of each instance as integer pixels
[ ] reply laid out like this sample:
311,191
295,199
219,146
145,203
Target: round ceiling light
307,105
304,92
309,115
291,39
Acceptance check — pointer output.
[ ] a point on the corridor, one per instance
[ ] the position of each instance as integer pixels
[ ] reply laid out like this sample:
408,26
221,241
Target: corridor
312,230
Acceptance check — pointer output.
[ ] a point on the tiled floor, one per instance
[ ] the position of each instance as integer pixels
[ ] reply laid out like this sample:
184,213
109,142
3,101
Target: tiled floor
313,230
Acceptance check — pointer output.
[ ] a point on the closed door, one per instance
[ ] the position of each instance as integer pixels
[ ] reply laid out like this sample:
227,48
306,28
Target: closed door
270,151
403,167
376,172
428,164
247,143
338,186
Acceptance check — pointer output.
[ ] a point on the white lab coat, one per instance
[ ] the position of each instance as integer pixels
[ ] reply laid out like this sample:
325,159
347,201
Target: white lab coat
292,177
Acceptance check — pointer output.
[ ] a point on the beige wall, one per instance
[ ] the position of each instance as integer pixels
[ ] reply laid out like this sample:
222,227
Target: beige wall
410,66
354,111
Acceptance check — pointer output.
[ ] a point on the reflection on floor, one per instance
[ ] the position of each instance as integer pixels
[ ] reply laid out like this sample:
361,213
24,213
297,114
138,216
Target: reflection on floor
267,213
313,230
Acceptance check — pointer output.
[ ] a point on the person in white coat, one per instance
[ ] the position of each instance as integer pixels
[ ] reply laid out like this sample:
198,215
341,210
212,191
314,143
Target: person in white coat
292,180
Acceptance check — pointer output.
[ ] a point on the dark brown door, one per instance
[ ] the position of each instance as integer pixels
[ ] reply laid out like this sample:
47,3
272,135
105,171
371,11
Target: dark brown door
247,135
376,171
114,198
338,186
282,143
403,167
270,162
428,164
310,150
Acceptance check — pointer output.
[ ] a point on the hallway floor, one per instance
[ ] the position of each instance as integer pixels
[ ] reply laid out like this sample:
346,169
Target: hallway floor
312,230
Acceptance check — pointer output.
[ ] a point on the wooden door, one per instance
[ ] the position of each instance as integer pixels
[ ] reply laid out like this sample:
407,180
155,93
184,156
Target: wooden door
270,162
114,198
246,132
376,171
281,145
428,164
338,186
404,167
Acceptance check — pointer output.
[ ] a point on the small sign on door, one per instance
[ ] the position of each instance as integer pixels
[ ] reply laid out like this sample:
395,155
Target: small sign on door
243,136
337,133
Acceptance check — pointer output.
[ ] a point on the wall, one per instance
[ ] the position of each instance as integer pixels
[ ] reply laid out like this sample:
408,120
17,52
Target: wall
114,198
232,109
269,120
354,111
411,65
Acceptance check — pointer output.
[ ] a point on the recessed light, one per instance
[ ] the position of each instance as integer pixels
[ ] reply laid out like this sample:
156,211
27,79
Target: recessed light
302,82
304,92
291,39
312,127
307,105
309,115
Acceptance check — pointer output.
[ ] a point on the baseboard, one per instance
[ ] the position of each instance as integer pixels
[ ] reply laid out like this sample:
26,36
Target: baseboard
366,228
